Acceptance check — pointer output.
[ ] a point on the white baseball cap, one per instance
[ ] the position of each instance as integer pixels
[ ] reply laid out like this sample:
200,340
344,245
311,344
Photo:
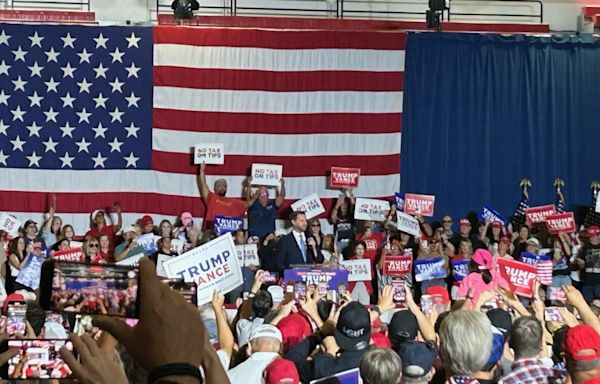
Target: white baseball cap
266,330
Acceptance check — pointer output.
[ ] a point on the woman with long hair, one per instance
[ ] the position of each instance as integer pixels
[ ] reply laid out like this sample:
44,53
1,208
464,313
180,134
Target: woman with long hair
105,250
51,228
360,290
342,219
482,277
91,251
17,257
67,232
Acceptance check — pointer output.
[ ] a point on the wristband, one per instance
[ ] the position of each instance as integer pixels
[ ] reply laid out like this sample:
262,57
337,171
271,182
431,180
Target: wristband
174,369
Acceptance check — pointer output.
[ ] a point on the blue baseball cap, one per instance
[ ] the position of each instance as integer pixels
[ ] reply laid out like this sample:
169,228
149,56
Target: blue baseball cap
417,358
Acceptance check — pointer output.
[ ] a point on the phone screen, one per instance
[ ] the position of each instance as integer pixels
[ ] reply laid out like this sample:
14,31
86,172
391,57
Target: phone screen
92,289
15,321
38,359
187,290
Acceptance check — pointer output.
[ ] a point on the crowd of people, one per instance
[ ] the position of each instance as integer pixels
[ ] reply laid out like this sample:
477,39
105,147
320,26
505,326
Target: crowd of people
443,329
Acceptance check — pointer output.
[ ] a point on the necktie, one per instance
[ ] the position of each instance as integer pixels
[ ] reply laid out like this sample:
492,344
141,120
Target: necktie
303,246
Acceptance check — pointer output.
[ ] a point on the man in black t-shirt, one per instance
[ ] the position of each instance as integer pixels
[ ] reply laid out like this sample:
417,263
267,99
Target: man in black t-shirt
589,260
464,233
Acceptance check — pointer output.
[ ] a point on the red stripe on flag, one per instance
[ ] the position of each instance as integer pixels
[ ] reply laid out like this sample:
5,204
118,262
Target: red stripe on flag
230,122
205,78
293,166
392,40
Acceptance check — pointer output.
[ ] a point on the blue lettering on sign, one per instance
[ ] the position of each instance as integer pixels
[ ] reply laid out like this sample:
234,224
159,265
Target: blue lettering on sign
225,224
460,269
430,269
399,201
488,213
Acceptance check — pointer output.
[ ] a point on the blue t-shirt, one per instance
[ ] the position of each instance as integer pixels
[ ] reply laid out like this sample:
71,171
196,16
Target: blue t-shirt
261,220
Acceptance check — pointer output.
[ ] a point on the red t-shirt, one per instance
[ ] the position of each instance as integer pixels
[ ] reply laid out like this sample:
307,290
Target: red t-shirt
106,230
373,244
223,206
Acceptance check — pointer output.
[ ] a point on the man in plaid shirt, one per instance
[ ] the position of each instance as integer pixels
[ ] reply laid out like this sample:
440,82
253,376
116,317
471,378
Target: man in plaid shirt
526,339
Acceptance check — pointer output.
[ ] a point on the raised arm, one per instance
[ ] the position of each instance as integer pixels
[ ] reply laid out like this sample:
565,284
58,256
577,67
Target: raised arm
117,209
225,335
250,197
202,186
280,194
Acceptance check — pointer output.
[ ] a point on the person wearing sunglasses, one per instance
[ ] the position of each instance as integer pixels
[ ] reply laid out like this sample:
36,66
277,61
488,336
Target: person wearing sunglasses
91,251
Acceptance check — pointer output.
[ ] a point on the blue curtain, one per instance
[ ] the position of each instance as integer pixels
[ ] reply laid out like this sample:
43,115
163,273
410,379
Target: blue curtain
482,111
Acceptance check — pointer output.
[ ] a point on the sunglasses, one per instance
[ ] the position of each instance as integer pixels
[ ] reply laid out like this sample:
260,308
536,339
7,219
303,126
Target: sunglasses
93,245
434,241
447,221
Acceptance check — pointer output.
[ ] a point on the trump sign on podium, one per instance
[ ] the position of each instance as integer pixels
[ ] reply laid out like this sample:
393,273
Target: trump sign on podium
213,266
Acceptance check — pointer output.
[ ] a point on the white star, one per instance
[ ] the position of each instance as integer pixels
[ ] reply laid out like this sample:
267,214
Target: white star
115,145
100,101
131,160
84,116
100,71
67,130
117,55
68,100
116,115
132,130
99,131
132,100
84,56
52,55
36,40
83,145
34,129
116,85
4,68
18,144
84,86
19,84
132,40
50,145
35,99
99,161
34,159
68,41
51,115
3,158
66,160
68,71
36,70
19,54
17,113
4,38
100,41
4,98
3,128
51,85
132,71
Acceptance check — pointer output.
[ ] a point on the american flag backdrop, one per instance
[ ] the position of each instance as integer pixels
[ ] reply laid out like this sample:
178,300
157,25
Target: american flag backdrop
96,115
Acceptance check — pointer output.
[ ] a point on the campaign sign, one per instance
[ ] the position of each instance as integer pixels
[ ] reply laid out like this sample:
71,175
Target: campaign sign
561,223
419,204
226,224
209,153
487,213
407,223
132,261
247,254
29,275
430,269
351,376
72,254
460,269
399,198
597,209
536,215
533,259
344,177
160,268
75,244
311,206
212,266
148,242
397,265
520,276
358,270
331,276
9,224
267,174
371,209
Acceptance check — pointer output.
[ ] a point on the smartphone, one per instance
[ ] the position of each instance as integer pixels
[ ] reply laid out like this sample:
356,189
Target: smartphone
15,319
37,359
399,291
269,278
557,294
322,290
187,290
553,314
91,289
300,291
426,304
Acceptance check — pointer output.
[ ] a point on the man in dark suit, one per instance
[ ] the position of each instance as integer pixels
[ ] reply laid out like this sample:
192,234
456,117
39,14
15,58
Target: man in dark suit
292,248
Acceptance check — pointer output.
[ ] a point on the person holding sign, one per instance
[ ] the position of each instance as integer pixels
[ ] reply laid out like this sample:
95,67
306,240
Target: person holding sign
360,291
431,249
589,260
216,202
30,230
262,210
342,218
292,249
482,276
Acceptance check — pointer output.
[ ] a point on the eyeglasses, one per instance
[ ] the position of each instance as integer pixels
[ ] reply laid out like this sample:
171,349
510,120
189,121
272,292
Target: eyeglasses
93,245
447,221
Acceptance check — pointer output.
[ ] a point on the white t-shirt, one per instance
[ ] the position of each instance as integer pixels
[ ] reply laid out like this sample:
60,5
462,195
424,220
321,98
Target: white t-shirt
251,370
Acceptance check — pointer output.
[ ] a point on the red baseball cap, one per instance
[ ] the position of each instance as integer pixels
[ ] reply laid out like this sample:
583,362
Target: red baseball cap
146,220
505,239
11,299
439,291
582,343
593,230
294,328
281,371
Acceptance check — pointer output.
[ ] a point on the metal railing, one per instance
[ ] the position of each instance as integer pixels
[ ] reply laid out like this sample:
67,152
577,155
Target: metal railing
65,5
538,15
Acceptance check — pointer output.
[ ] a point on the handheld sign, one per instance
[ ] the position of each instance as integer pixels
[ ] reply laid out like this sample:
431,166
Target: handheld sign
358,270
226,224
407,223
344,177
212,266
597,209
430,269
537,215
267,174
397,265
399,198
147,241
30,274
488,213
9,224
419,204
561,223
351,376
247,254
160,268
311,206
132,261
72,254
371,209
460,269
332,276
209,153
520,276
